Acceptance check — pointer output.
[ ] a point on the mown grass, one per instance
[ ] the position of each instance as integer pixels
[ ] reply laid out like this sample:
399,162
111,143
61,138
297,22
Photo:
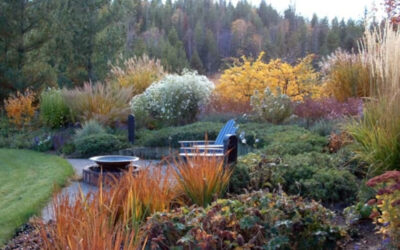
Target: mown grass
27,180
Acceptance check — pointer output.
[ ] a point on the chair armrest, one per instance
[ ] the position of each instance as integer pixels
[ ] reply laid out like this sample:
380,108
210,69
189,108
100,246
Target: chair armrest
192,143
208,146
199,150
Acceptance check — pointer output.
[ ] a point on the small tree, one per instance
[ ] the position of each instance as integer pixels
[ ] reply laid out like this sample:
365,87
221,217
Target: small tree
241,80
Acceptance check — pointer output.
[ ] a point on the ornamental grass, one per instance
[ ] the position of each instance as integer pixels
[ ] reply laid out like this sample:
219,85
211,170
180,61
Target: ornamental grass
201,179
377,133
105,103
109,218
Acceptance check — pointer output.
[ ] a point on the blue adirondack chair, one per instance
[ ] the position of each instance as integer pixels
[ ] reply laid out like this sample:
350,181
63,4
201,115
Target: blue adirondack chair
209,147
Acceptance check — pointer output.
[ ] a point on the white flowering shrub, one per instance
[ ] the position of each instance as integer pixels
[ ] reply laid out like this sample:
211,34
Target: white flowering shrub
176,99
270,107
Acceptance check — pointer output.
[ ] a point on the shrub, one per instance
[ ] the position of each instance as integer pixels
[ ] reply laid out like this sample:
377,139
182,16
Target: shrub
201,179
170,136
271,108
255,220
357,212
220,105
325,127
98,144
293,141
345,76
91,127
104,103
337,141
240,179
138,72
328,108
54,110
376,134
386,213
174,100
43,143
312,175
281,140
20,108
241,80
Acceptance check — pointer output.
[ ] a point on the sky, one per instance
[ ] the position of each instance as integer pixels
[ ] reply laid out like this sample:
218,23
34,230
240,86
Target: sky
341,8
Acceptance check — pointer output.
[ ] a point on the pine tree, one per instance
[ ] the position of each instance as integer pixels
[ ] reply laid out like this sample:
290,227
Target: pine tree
24,31
195,62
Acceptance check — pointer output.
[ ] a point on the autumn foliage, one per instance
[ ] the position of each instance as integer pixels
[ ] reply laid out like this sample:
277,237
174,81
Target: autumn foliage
386,214
20,107
345,76
137,72
110,217
246,76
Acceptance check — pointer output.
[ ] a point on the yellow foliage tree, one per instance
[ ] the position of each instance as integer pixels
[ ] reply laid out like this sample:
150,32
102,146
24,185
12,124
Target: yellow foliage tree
241,80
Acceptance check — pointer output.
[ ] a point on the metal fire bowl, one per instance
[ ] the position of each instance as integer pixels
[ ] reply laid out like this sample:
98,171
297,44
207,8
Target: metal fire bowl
114,161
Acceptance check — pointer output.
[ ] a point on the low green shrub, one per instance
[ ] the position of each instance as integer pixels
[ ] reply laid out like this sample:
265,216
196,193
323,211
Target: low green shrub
357,212
169,137
27,139
259,220
91,127
276,139
281,140
313,175
240,179
68,149
98,144
54,110
324,127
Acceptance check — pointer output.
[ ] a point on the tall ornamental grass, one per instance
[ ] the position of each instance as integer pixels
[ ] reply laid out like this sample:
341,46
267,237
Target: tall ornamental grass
137,72
377,133
105,103
54,110
109,218
112,217
345,76
202,179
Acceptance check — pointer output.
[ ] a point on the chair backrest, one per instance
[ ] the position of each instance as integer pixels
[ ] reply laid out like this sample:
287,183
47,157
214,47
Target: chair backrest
229,128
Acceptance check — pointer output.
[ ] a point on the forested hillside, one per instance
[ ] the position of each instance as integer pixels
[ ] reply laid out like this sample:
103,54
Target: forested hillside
67,42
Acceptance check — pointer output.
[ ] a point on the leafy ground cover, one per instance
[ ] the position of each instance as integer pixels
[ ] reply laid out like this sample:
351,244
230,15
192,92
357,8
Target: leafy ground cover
27,181
256,220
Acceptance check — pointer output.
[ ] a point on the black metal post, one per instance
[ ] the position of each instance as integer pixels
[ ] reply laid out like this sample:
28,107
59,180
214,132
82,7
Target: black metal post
231,148
131,128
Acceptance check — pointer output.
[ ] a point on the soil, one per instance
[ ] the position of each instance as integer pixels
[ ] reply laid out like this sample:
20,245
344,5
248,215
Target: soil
365,237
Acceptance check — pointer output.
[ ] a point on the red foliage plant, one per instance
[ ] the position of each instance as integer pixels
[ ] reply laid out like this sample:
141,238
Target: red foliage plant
387,210
328,108
392,8
220,105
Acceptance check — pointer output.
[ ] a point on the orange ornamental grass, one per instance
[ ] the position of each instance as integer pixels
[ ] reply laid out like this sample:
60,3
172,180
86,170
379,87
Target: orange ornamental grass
202,179
111,217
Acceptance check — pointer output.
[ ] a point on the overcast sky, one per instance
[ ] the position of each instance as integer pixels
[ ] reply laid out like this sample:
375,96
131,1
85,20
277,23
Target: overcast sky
341,8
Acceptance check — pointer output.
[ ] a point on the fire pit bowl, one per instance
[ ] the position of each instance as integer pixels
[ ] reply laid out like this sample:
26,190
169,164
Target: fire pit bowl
114,161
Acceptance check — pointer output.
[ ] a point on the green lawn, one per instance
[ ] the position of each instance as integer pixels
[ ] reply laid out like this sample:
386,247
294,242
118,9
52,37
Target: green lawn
27,180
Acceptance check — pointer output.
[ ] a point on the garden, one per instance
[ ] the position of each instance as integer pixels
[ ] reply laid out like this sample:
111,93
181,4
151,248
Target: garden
317,167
